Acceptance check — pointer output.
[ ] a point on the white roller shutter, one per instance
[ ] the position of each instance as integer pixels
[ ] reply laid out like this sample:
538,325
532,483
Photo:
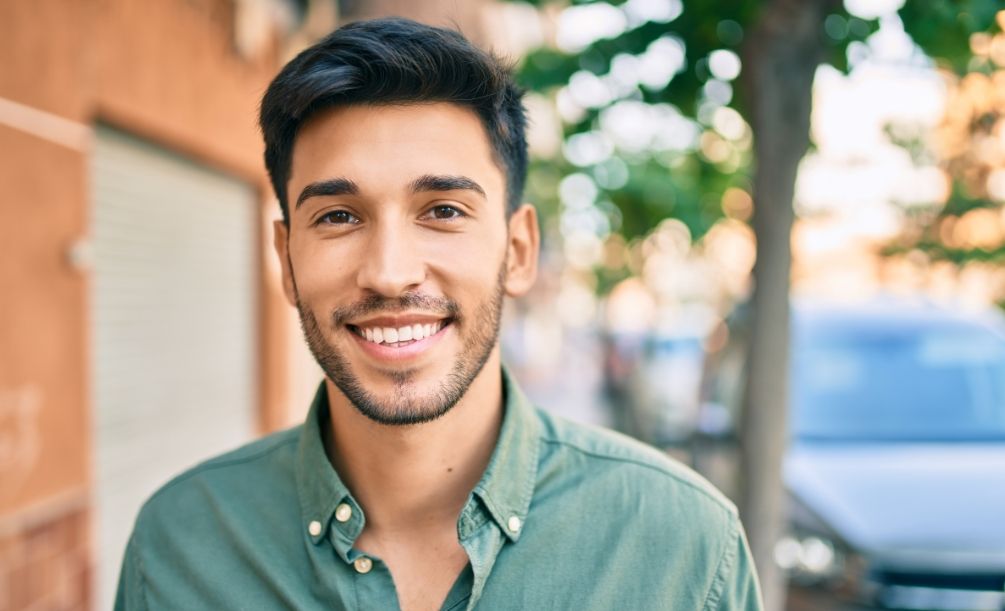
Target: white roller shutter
173,314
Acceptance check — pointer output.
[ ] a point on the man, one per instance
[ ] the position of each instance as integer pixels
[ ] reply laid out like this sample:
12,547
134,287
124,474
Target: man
422,478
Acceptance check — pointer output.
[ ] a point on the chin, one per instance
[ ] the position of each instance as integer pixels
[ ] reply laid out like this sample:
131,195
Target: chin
403,401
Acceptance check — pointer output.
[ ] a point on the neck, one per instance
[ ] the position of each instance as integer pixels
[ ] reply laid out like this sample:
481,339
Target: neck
417,476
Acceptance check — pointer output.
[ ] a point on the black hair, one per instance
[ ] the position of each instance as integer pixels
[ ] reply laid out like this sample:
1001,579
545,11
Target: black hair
395,61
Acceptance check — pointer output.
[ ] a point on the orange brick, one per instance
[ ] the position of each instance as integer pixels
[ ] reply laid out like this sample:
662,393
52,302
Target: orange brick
20,592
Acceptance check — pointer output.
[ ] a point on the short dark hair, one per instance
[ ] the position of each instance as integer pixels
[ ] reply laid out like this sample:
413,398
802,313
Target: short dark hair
395,61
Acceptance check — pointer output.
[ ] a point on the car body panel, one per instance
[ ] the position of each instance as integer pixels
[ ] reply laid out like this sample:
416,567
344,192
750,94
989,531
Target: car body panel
897,447
910,504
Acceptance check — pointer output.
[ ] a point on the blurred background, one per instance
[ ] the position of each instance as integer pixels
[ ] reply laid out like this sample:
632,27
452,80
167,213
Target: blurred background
773,235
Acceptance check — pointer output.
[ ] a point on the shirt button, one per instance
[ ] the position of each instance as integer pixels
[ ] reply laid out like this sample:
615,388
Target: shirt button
363,565
314,528
343,512
513,524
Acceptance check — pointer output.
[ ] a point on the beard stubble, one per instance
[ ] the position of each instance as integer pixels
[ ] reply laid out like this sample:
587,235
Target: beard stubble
405,406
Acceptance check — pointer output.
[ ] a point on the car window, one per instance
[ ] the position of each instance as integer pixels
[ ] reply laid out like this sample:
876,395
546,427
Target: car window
943,384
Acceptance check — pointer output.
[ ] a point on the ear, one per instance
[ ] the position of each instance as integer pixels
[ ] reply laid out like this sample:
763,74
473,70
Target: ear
522,250
281,242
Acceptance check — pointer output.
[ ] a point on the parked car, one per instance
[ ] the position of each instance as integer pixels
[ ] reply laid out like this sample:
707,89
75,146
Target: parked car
896,462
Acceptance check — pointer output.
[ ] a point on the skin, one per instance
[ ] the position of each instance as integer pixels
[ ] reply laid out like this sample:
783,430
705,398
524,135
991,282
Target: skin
392,250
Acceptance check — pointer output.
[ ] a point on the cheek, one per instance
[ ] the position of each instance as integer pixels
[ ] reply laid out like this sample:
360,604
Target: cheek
320,271
469,280
470,260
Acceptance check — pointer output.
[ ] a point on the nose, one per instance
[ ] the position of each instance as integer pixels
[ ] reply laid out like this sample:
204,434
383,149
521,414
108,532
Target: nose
391,264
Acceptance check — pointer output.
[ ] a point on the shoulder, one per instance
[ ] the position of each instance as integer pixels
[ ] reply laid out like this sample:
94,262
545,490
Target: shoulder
255,456
608,500
260,468
226,517
601,458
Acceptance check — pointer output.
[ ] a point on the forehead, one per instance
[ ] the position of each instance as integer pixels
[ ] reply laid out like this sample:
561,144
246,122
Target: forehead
385,146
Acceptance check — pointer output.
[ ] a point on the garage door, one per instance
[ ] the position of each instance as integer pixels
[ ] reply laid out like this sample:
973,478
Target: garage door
173,314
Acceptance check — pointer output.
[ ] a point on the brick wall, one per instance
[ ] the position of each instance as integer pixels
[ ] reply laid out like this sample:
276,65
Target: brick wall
170,72
44,562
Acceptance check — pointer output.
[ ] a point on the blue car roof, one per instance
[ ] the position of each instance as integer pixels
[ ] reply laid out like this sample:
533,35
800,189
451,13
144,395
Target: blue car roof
891,316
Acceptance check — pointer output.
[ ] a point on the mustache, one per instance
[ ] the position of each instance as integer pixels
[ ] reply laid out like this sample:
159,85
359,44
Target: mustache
374,304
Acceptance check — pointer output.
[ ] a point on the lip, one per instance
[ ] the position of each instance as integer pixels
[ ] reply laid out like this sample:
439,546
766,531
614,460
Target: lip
381,352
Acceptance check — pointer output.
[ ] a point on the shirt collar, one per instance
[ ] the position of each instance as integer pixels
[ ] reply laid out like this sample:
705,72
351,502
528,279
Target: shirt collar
508,483
505,489
320,488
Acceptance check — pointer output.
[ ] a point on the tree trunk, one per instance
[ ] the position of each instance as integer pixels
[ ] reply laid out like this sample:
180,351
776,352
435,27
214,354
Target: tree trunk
780,57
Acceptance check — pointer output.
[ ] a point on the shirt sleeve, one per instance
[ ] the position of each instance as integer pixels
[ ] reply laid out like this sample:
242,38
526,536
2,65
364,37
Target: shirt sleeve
129,595
736,582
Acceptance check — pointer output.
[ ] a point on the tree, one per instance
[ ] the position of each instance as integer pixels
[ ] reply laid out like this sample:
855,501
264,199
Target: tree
779,44
966,230
781,56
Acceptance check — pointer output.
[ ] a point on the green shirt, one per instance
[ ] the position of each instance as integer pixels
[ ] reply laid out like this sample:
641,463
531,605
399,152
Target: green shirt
565,517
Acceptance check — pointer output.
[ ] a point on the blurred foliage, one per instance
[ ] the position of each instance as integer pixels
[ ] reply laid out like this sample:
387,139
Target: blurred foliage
943,27
686,183
965,39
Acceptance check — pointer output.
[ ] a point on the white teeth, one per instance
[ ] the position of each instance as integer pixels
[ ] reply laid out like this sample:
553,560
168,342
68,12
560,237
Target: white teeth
389,335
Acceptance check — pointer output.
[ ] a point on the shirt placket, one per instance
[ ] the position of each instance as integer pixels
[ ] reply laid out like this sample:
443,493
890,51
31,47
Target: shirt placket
358,580
373,583
371,578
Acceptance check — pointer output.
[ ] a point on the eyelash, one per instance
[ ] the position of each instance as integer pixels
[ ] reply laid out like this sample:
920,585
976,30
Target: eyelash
457,212
322,220
328,217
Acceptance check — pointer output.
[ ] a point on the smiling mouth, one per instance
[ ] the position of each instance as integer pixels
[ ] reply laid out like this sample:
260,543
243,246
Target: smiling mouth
397,337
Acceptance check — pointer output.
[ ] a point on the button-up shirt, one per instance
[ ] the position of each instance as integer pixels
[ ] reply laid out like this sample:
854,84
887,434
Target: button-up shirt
565,517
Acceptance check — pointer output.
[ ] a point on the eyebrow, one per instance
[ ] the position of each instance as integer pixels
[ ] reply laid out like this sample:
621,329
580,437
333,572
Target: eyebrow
332,186
431,182
426,182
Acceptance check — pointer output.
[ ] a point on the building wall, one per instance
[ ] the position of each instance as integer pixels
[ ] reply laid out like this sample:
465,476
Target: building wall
170,72
46,560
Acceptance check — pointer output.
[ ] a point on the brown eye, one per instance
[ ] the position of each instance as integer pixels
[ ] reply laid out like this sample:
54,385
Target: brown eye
445,213
337,217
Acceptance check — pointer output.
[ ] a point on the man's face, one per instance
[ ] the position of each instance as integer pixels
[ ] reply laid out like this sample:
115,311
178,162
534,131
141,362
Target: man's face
398,253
